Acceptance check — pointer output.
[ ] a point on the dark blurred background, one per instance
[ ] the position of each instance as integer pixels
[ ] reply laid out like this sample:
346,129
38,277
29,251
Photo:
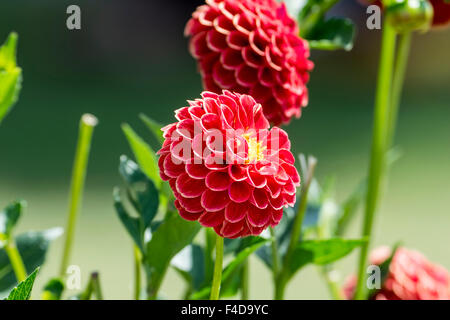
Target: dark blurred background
131,57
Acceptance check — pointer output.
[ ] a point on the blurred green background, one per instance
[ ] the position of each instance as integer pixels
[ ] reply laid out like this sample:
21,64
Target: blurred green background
131,57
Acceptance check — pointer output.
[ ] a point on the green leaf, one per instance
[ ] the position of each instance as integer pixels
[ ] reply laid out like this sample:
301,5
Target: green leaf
144,199
333,34
232,269
23,289
53,289
190,264
350,207
144,154
10,75
154,127
321,252
171,237
9,217
32,247
141,191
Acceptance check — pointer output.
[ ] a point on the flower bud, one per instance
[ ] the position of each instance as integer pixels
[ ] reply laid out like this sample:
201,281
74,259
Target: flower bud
409,15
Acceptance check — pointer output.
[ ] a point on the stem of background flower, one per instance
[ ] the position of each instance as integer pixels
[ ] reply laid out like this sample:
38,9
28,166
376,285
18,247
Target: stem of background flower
218,265
87,124
404,47
137,272
16,260
93,287
244,284
281,282
379,147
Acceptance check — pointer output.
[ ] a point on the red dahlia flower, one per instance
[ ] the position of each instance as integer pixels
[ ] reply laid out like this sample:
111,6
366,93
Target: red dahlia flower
226,168
252,47
441,13
411,277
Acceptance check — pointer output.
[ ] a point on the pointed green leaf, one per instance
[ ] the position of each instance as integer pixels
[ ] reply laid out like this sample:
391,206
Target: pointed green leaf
154,127
144,154
10,75
9,217
171,237
33,247
321,252
141,191
131,224
23,289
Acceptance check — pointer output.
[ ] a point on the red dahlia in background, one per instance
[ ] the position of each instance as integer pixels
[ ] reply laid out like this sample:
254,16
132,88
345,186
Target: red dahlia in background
441,8
411,277
441,12
226,168
252,47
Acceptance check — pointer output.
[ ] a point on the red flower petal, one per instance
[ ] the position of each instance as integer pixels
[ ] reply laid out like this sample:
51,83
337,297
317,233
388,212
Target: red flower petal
188,187
214,200
235,212
239,191
218,181
211,219
257,217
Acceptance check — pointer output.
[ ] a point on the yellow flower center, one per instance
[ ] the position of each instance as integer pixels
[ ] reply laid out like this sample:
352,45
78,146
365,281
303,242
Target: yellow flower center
255,148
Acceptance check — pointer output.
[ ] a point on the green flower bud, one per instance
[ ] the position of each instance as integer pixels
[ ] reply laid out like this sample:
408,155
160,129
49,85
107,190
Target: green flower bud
409,15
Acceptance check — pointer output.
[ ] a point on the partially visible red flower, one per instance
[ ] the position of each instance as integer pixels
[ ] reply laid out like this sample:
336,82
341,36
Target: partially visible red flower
441,10
226,168
411,277
252,47
441,13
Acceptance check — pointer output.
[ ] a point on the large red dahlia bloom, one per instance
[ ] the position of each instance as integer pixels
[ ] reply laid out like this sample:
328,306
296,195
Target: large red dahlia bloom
411,277
252,47
226,168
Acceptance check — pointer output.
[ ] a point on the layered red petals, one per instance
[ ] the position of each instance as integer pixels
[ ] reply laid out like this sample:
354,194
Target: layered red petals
253,48
238,198
411,277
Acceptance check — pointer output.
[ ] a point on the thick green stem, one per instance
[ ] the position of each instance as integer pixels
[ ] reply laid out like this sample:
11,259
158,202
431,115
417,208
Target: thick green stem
404,47
16,260
87,124
245,280
379,147
218,265
296,230
137,272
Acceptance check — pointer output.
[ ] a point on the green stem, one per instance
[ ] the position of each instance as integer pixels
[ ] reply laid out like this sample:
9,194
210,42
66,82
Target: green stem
379,147
93,287
16,260
218,265
296,230
404,47
87,124
245,280
275,256
137,272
